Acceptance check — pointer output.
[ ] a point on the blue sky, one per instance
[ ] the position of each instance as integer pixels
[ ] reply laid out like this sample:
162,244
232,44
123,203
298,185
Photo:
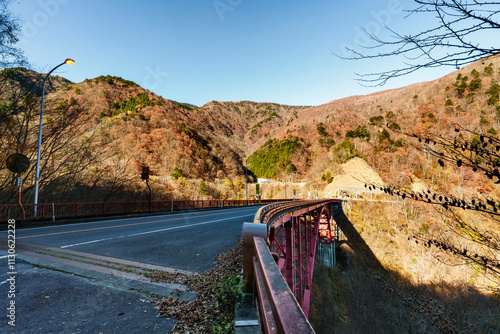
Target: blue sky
195,51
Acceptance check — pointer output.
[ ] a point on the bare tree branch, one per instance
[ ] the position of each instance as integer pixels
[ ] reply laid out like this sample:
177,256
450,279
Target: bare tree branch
453,40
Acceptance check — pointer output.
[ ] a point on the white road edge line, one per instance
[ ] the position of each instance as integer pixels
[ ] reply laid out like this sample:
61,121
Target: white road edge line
156,231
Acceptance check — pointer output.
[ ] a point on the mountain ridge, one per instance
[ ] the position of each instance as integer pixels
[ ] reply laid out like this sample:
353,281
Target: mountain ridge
134,127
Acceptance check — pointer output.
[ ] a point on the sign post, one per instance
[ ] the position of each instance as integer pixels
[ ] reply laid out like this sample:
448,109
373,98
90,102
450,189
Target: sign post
18,163
145,176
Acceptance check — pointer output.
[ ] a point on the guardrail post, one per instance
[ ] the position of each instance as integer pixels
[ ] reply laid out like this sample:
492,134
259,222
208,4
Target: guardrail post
299,256
250,230
290,256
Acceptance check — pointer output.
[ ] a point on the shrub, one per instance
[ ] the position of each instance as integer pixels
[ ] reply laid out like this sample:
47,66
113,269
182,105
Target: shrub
488,70
493,92
61,106
321,130
360,132
383,135
291,168
475,84
493,132
345,151
177,173
400,143
227,183
390,116
327,177
376,120
394,126
448,102
226,296
493,100
203,187
475,143
461,84
483,121
327,143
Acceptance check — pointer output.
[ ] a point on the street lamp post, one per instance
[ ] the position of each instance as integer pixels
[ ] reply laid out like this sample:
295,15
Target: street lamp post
37,177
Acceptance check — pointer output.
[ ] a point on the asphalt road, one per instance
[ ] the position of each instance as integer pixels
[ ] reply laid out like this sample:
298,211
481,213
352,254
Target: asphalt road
57,298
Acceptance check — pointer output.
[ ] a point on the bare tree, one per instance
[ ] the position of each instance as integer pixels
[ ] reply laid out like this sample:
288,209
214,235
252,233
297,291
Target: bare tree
68,135
475,244
10,55
455,38
453,34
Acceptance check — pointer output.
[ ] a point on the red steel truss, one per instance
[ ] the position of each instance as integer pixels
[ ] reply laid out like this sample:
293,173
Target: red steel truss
291,231
294,243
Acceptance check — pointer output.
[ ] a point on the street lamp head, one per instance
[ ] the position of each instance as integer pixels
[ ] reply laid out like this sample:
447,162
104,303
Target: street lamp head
69,61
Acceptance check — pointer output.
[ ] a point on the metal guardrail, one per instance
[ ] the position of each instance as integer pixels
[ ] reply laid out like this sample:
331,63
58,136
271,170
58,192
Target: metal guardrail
279,250
53,211
282,210
278,310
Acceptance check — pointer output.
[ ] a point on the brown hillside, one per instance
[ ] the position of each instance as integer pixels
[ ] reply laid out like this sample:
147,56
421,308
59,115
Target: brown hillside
247,124
427,107
131,127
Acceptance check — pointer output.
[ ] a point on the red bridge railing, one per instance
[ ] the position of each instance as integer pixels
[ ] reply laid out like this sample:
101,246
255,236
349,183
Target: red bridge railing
279,249
53,211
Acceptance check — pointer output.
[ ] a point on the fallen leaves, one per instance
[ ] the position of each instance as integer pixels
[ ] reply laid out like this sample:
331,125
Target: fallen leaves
202,314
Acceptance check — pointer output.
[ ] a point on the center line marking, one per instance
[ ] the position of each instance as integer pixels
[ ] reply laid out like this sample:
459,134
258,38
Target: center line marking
155,231
115,226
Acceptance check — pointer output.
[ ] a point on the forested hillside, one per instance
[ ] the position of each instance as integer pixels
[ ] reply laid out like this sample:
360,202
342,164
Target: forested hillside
100,133
116,128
